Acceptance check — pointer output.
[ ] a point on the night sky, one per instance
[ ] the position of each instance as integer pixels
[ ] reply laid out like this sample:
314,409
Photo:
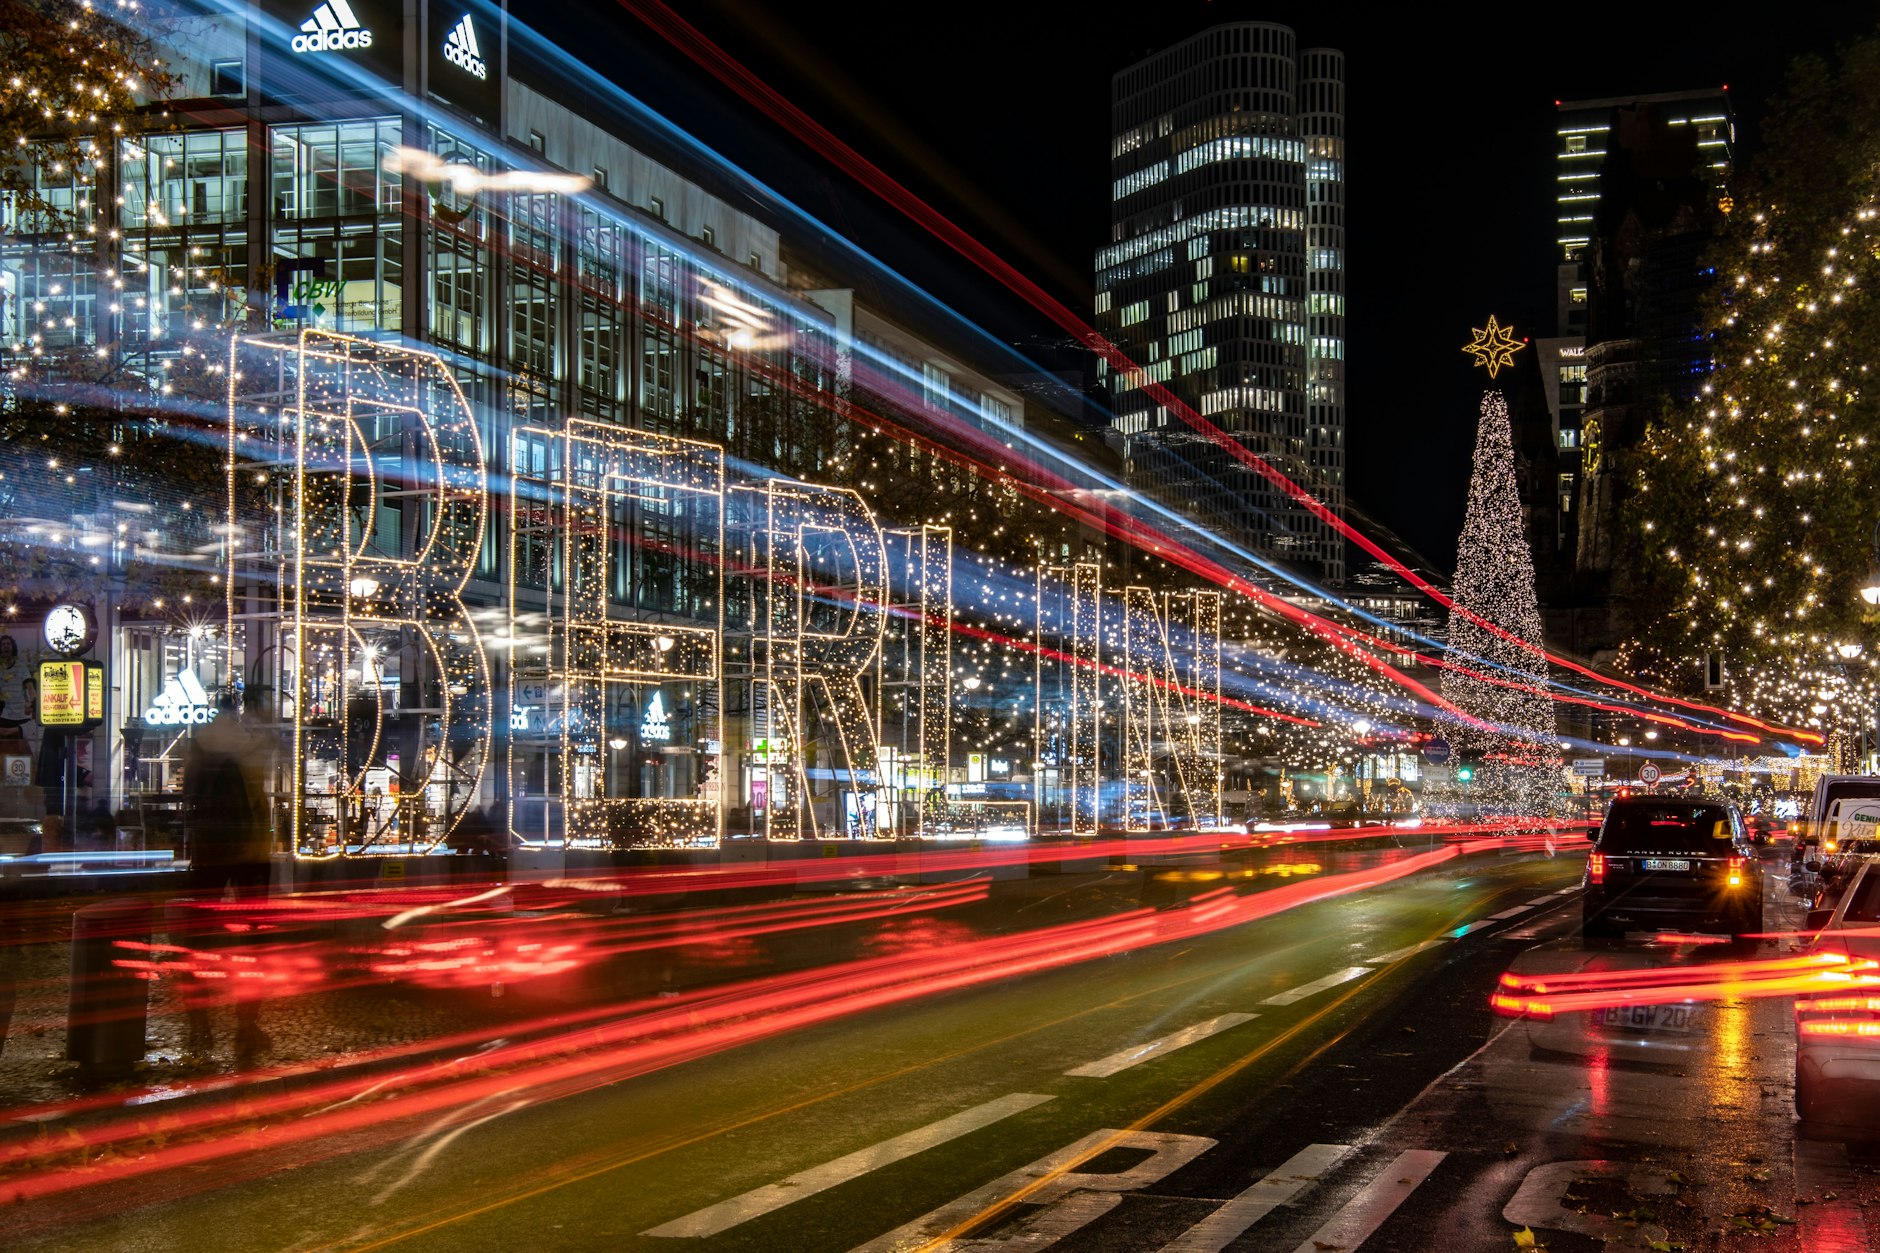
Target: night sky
997,114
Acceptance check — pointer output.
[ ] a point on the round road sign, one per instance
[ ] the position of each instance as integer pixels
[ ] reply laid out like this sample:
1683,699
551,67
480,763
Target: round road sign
1649,774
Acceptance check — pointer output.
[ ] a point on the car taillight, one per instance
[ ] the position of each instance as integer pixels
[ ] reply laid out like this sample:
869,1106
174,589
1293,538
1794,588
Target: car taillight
1596,868
1840,1029
1737,865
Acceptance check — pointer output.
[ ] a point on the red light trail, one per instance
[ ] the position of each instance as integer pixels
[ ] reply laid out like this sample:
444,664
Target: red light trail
694,44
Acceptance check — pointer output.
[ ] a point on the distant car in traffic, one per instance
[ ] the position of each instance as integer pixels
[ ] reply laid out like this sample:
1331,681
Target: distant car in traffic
1837,1033
1666,863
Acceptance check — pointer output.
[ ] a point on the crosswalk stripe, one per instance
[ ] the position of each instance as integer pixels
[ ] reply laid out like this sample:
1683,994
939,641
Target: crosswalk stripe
1366,1212
740,1209
1115,1063
1398,954
1304,990
1293,1176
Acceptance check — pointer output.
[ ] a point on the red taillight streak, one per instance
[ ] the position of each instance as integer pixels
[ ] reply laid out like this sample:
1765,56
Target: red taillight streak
1841,1030
735,75
605,1052
1596,867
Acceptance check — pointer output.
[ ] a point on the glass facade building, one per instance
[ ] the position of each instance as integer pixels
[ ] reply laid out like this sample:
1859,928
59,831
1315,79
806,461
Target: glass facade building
1224,282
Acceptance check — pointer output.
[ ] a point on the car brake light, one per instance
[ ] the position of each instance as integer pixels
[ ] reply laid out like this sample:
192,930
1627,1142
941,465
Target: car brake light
1860,1030
1596,868
1736,871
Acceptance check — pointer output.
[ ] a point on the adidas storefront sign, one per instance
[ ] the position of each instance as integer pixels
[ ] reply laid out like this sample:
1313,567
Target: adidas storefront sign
182,702
332,28
460,49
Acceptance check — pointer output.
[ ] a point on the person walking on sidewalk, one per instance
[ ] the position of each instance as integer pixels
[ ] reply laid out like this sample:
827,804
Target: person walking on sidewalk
231,847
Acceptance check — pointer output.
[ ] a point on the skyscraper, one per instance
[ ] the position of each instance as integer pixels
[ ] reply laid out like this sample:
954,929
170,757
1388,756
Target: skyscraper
1224,281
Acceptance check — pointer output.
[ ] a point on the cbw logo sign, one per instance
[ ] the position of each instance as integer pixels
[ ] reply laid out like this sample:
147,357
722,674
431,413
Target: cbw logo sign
460,49
332,28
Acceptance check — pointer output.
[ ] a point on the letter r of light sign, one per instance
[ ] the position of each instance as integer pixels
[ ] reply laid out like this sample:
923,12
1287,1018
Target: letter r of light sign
822,564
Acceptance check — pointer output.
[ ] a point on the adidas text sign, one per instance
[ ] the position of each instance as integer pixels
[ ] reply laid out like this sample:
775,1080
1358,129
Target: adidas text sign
332,28
182,702
460,49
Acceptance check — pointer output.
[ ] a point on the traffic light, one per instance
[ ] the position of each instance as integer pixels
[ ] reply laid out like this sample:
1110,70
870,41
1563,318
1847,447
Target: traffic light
1465,772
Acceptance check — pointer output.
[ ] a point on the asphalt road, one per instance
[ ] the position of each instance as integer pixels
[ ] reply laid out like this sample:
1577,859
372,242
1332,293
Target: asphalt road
1327,1078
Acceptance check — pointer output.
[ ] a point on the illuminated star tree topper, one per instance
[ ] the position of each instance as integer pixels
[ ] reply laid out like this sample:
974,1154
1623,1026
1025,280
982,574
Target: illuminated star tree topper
1494,345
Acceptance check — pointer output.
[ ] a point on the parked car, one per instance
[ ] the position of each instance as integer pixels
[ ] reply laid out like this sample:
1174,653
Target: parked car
1669,863
1837,1033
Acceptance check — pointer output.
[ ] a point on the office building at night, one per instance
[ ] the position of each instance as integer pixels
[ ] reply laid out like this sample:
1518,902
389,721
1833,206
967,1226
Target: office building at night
1223,281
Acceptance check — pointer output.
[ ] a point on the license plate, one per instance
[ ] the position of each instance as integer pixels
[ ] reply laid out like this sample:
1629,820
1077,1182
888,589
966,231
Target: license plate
1647,1017
1664,863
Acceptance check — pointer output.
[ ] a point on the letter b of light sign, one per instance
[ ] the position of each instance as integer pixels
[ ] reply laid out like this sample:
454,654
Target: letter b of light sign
375,535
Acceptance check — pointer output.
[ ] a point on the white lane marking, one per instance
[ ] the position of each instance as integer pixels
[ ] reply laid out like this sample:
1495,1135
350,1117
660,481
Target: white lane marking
1048,1182
1118,1062
740,1209
1459,932
1828,1226
1366,1212
1544,900
1293,1176
1304,990
1566,891
1509,913
1398,954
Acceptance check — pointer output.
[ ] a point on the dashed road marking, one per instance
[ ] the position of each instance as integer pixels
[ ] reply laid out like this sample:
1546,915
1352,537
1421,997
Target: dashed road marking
1116,1063
1473,927
1366,1212
1542,900
1398,954
741,1209
1304,990
1225,1225
1509,913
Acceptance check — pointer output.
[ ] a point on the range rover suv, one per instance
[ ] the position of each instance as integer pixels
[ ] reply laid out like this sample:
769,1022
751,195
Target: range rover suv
1669,863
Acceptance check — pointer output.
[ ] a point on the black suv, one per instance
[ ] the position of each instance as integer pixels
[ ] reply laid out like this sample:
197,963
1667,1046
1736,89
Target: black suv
1666,863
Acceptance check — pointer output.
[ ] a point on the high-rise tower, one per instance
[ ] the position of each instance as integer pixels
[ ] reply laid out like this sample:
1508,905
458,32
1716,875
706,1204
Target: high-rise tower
1224,281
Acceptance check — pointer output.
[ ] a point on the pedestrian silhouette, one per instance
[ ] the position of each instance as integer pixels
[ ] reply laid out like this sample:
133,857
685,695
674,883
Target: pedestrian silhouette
225,807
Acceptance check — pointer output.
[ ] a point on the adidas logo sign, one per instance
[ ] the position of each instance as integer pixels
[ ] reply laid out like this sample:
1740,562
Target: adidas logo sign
332,28
182,701
460,49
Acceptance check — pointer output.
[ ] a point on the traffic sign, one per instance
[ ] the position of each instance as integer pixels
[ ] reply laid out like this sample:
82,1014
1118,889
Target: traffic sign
1588,767
1649,774
1436,752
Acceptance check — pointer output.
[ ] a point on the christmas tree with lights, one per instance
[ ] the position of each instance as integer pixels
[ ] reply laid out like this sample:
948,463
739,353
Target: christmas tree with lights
1497,684
1754,507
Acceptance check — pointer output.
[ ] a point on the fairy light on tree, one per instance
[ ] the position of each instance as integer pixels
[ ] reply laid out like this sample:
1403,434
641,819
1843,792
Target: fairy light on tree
1753,506
1491,678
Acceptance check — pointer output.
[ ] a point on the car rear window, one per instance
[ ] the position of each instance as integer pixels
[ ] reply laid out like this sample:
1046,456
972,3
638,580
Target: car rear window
1663,828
